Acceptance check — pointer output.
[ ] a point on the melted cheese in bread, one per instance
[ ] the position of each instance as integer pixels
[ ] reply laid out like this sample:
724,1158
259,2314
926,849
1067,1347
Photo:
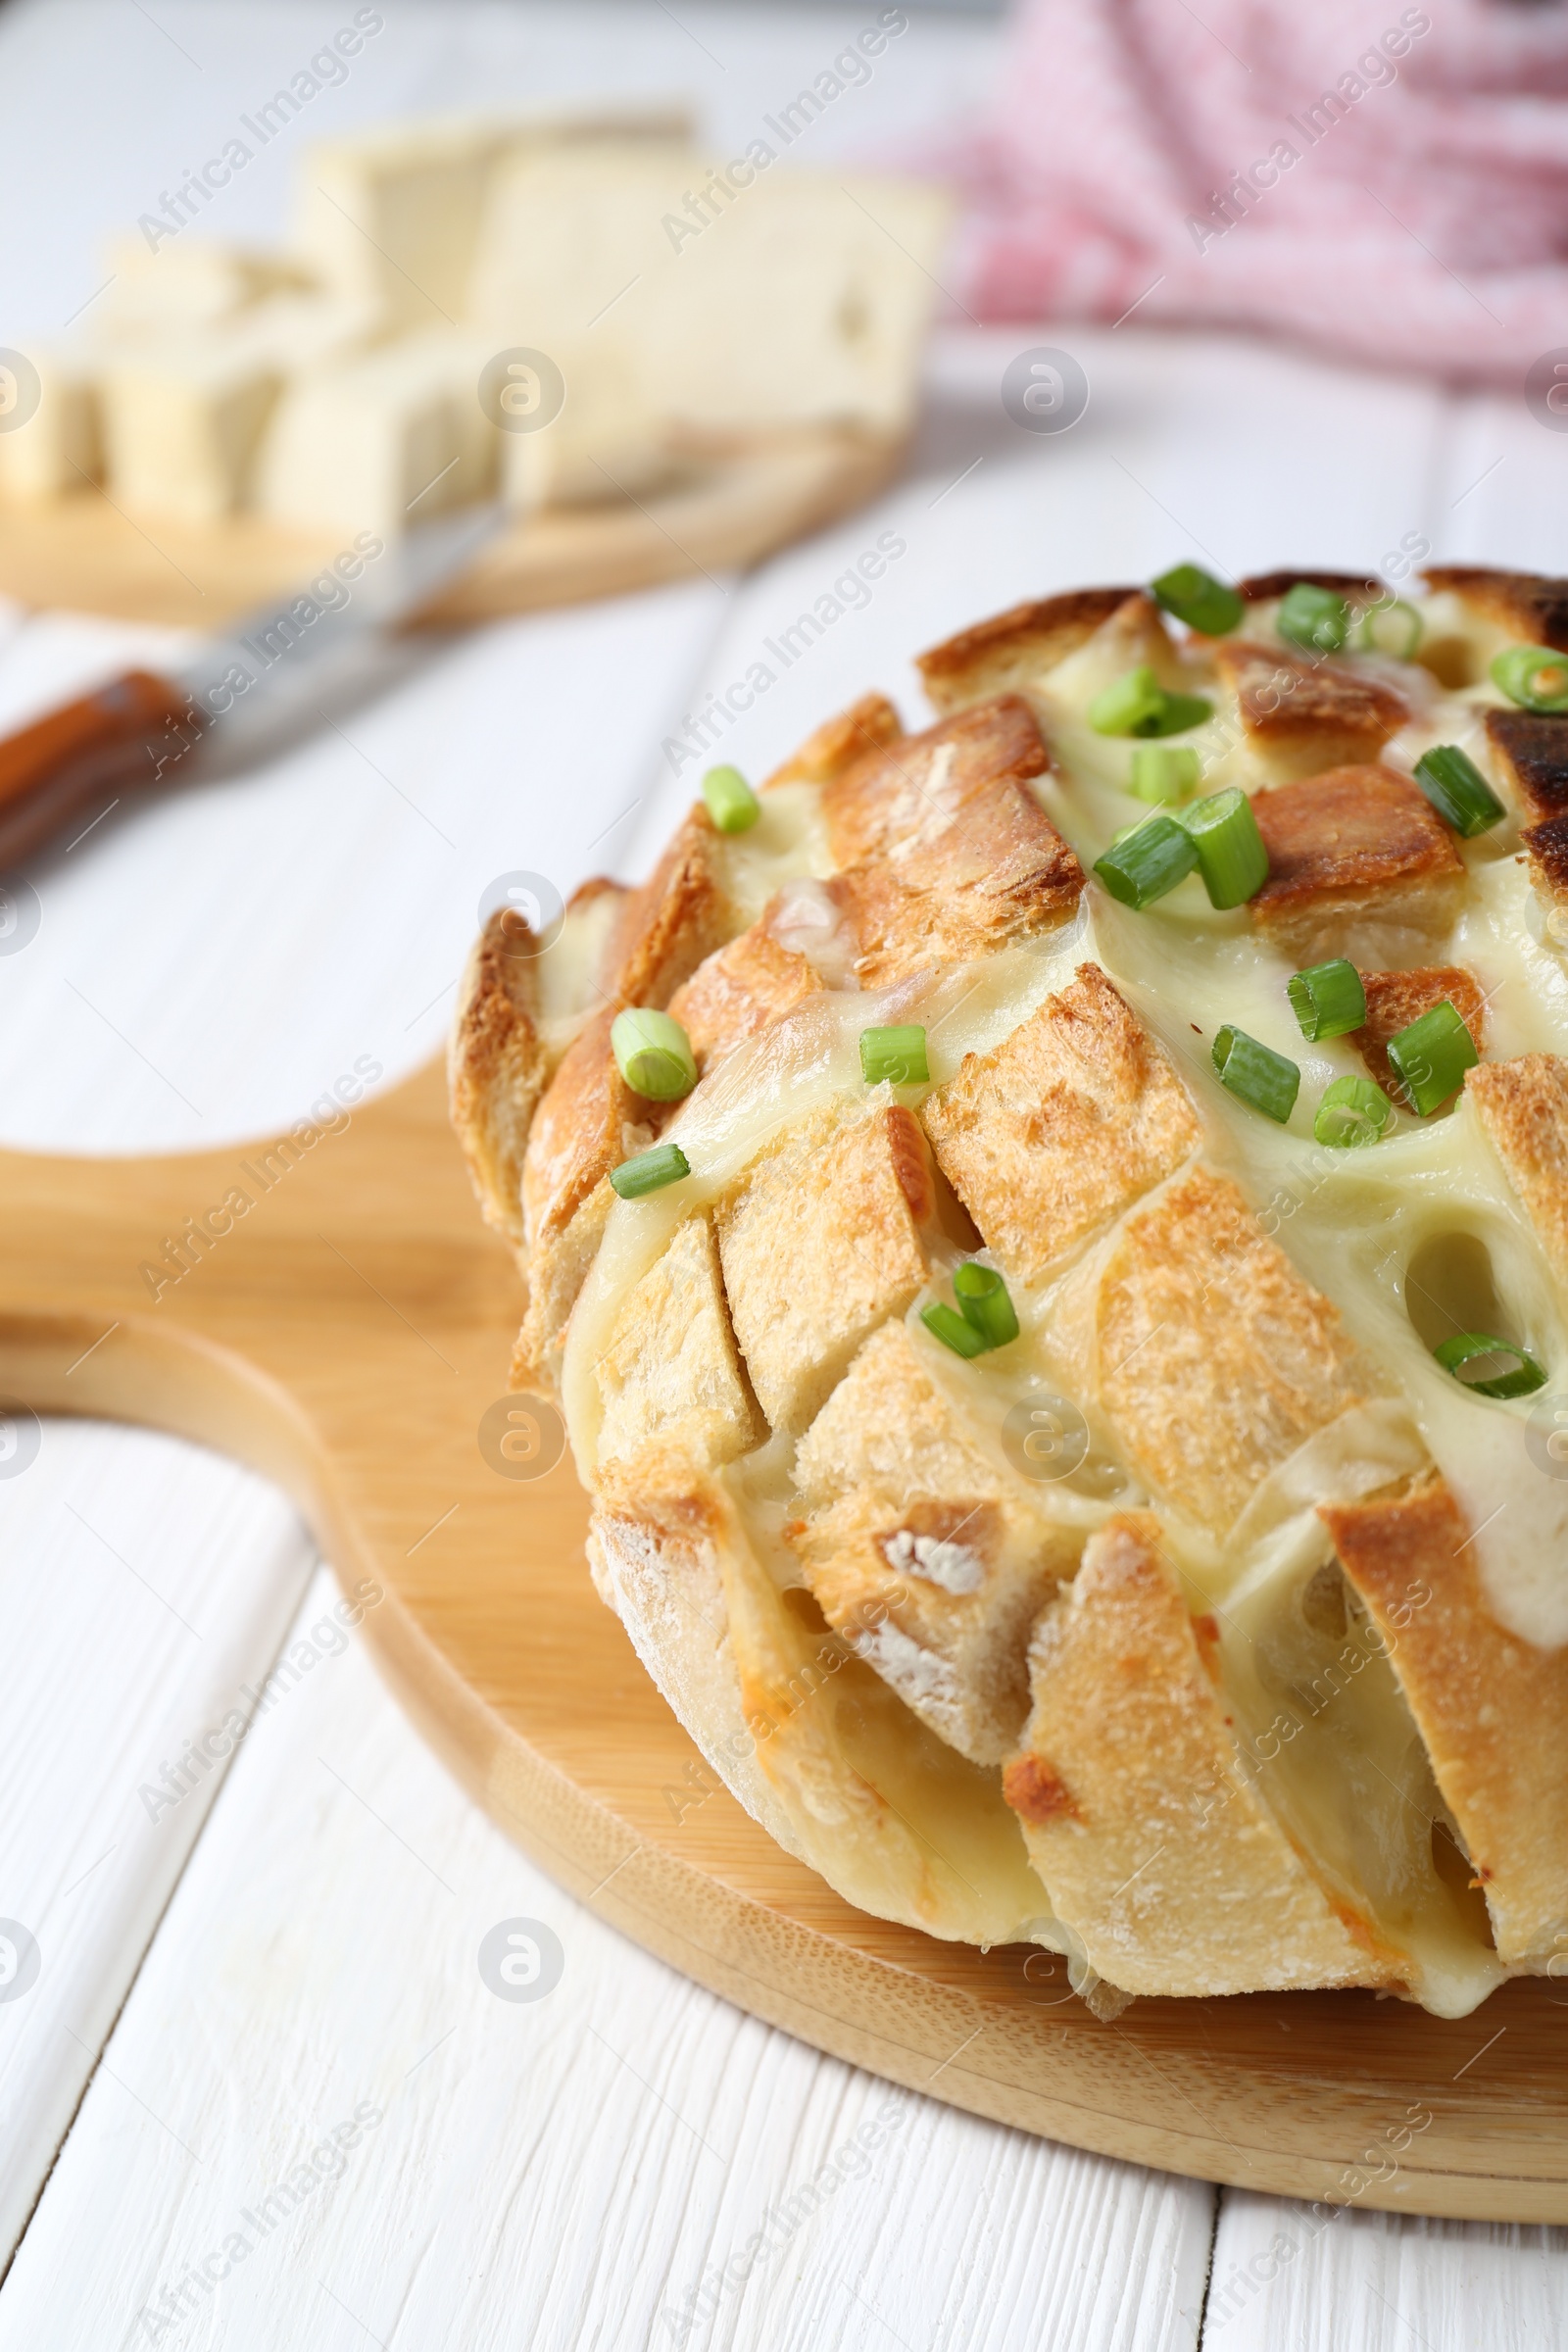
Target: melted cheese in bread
1373,1230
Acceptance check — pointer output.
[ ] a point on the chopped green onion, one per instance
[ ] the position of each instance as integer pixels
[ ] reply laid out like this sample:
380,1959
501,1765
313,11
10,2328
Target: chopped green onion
1164,771
653,1054
952,1330
1352,1112
1464,1349
1260,1076
1458,789
1393,627
1230,847
1327,999
1147,862
1121,708
731,803
1197,598
896,1055
1176,715
1137,703
1533,675
650,1171
983,1296
1431,1057
1314,618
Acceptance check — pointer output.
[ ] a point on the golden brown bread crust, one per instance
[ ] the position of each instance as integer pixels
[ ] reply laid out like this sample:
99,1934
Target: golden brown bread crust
1531,749
1523,1107
1302,715
1017,647
1354,842
738,990
681,914
1393,1000
1155,1846
587,1123
820,1241
1263,587
1492,1710
909,792
670,1370
1547,846
1062,1126
921,1548
1529,606
497,1069
999,873
865,727
1249,1358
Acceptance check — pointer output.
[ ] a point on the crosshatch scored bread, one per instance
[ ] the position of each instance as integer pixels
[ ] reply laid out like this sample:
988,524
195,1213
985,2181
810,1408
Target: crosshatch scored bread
1049,1231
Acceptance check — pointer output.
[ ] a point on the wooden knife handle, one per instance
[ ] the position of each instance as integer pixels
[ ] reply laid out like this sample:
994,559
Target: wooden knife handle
128,734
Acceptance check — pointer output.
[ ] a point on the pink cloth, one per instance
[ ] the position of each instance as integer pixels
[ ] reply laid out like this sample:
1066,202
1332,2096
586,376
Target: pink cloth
1423,220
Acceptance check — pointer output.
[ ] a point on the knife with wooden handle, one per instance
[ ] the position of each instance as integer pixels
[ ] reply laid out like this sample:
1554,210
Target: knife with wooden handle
77,760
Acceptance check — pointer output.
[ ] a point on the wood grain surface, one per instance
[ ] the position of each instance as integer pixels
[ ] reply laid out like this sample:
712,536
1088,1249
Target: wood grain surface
725,512
347,1333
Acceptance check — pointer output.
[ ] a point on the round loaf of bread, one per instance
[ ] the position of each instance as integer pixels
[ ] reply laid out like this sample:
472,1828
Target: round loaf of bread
1046,1460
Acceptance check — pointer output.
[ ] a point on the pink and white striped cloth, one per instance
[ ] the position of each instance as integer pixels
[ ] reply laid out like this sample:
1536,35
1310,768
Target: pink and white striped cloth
1387,180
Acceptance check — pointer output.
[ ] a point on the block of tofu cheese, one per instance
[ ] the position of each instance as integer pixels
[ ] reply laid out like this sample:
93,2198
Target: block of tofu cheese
184,283
381,442
610,438
183,425
58,448
395,215
789,298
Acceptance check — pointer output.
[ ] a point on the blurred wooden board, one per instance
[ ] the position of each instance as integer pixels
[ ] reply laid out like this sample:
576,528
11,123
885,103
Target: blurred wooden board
85,554
348,1334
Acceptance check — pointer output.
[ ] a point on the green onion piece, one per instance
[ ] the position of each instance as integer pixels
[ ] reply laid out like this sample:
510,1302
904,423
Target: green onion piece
653,1054
1458,789
1119,709
1197,598
1327,999
1534,675
895,1055
1164,772
1314,618
1524,1381
731,803
983,1296
1147,862
650,1171
1431,1057
1175,713
1260,1076
1230,847
1393,627
1352,1112
952,1330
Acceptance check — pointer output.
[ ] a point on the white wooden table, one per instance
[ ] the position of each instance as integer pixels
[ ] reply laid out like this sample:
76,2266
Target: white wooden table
259,2093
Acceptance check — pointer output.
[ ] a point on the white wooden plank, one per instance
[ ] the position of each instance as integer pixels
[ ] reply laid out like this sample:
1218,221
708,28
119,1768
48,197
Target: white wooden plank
142,1583
569,2169
1505,488
1361,2281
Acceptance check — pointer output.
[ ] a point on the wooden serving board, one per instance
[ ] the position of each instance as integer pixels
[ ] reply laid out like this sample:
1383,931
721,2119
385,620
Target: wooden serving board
348,1334
726,511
